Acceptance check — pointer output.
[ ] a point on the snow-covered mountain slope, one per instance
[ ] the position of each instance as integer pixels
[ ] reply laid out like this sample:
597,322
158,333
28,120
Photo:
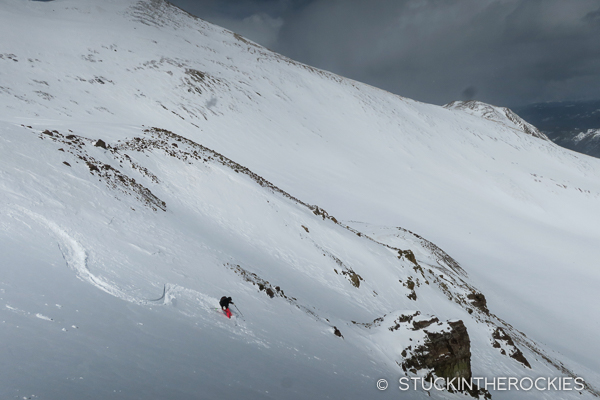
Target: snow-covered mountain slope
121,228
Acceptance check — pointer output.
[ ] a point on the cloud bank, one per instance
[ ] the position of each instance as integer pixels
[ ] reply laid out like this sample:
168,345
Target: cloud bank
505,52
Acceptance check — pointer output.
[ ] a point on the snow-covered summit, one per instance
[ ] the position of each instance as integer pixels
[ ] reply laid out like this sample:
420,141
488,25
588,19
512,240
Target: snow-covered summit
502,115
151,162
591,135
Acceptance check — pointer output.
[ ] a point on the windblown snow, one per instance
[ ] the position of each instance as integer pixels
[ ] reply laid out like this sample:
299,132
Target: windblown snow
151,162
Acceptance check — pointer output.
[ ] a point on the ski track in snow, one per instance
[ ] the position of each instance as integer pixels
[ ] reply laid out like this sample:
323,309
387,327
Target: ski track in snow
16,310
206,304
75,256
42,316
24,313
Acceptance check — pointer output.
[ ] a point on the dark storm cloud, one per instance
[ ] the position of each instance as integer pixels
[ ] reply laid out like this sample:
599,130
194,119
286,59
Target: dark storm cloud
505,52
593,17
259,20
469,93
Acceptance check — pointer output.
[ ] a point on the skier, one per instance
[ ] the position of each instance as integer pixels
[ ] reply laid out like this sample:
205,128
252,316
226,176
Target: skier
224,303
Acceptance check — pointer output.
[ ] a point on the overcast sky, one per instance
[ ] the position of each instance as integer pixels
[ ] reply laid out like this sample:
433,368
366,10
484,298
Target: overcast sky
503,52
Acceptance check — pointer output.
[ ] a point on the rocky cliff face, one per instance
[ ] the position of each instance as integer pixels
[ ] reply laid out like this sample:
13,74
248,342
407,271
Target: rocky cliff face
447,352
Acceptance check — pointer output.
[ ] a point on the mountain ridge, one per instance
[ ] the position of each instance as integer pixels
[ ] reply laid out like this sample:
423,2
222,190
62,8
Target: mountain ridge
501,115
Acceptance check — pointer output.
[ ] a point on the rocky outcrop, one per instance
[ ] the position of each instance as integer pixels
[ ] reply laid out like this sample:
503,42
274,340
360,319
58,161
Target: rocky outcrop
478,301
114,176
447,353
100,143
502,341
409,255
337,332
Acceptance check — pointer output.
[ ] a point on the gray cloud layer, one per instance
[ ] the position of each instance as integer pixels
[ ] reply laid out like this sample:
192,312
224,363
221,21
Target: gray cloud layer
505,52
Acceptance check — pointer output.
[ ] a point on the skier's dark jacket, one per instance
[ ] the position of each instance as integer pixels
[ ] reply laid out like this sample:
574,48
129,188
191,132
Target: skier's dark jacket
225,301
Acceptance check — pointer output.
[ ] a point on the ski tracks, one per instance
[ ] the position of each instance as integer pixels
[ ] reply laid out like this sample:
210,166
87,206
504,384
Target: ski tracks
203,309
75,256
190,303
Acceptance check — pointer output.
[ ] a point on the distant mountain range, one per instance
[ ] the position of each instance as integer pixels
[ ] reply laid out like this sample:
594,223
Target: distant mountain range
571,124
